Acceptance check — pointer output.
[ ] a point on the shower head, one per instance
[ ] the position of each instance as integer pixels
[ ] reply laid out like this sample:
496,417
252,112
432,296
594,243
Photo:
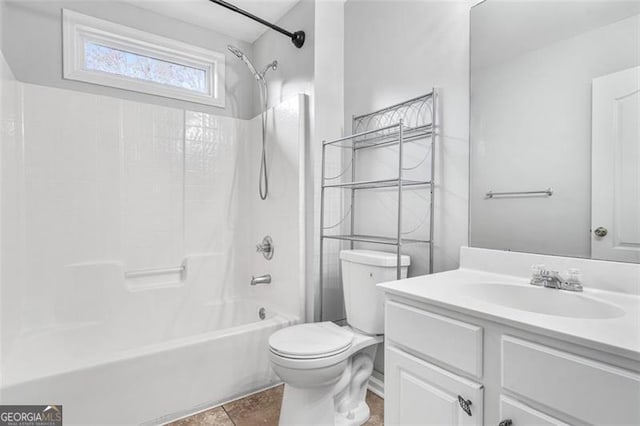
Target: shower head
235,51
244,59
258,75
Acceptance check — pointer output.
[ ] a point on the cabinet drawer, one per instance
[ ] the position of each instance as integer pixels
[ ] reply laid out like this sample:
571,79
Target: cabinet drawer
588,390
444,339
522,415
420,393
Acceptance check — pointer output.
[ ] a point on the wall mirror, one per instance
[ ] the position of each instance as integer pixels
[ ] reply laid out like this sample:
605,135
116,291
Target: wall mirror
555,141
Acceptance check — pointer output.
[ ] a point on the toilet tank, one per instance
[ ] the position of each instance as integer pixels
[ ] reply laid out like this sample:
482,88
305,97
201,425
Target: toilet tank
363,301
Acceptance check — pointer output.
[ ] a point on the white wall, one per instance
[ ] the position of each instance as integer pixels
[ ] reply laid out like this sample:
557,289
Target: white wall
5,70
32,45
295,66
530,25
531,128
329,113
398,50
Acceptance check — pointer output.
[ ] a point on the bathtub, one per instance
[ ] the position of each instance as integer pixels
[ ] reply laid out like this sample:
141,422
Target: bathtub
204,357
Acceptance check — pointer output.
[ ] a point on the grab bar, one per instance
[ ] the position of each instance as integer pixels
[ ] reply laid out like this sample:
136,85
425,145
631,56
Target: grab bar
548,192
159,271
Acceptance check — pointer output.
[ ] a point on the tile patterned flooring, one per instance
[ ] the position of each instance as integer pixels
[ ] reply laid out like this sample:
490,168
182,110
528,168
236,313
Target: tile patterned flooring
263,409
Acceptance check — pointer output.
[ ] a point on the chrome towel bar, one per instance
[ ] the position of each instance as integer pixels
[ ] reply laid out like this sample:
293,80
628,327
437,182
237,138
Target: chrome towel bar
548,192
159,271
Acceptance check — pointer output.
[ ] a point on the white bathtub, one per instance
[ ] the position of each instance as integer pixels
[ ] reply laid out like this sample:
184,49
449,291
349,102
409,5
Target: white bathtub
206,356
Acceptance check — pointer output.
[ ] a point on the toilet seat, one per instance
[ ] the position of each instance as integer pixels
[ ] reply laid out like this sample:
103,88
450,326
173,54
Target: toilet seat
285,352
311,341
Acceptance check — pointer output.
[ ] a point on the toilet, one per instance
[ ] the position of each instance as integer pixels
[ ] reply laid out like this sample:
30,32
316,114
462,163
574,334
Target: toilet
326,367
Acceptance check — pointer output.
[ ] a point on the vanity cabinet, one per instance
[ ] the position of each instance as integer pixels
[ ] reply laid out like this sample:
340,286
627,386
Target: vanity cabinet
443,367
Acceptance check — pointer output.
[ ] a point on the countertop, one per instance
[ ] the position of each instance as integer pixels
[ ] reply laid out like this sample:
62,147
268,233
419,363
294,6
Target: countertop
619,335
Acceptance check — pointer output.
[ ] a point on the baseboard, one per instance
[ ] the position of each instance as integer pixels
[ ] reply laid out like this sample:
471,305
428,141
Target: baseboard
376,384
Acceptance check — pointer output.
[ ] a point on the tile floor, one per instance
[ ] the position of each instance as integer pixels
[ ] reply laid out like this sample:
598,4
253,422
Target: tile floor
263,409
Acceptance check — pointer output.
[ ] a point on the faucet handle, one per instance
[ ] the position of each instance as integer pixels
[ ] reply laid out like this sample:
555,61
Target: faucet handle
574,280
536,274
266,247
574,274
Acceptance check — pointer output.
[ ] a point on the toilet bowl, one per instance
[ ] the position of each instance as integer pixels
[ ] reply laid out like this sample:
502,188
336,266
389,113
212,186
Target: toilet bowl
326,367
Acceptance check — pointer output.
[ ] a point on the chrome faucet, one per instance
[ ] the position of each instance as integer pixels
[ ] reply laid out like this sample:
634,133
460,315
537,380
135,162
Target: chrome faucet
553,279
262,279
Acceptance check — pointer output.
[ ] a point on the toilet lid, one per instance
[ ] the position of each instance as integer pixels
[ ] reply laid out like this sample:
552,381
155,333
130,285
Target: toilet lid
313,340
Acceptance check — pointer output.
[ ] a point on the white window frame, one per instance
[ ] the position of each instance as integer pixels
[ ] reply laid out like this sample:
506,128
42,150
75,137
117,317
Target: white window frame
78,29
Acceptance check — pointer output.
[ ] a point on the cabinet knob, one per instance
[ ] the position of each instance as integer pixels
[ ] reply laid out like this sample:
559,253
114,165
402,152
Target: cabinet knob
506,422
465,404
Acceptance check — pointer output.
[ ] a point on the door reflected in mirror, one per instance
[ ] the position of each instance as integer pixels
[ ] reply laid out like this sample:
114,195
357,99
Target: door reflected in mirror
555,136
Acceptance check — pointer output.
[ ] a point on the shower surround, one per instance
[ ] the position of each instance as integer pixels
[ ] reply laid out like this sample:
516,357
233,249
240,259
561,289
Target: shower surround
96,190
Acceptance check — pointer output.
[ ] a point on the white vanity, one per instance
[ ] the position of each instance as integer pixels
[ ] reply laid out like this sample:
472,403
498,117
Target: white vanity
480,345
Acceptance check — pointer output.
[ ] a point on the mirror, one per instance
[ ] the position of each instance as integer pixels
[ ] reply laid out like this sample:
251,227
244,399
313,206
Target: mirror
555,141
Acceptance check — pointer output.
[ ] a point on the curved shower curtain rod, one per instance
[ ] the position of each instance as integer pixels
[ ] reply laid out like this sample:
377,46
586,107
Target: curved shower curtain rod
297,38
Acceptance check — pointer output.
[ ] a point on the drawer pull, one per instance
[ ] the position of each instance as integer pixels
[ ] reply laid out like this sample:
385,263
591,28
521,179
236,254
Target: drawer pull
465,404
506,422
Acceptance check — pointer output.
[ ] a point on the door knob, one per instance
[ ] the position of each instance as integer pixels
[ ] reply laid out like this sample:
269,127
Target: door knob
601,232
506,422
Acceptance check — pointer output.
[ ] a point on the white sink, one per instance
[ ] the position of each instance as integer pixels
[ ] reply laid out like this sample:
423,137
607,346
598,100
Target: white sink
543,300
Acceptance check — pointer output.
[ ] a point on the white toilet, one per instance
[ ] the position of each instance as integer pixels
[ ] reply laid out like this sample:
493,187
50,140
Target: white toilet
325,367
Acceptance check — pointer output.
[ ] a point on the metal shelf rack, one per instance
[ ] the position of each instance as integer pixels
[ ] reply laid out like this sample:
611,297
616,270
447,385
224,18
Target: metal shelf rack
411,121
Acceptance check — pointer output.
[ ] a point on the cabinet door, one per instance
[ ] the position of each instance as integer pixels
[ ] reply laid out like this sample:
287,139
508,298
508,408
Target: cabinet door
420,393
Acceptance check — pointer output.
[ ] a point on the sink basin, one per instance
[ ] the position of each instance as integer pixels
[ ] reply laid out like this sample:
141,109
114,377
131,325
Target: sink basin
543,301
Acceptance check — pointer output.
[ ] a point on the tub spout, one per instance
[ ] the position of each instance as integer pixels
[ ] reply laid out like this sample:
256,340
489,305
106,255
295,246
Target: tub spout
262,279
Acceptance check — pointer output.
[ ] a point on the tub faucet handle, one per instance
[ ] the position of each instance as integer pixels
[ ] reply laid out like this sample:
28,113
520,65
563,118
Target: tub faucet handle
266,247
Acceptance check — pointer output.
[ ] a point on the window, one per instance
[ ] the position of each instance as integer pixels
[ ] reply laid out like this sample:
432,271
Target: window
101,52
120,62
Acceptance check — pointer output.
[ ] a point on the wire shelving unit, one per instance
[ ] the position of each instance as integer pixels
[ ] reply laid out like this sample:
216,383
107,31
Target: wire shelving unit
411,121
